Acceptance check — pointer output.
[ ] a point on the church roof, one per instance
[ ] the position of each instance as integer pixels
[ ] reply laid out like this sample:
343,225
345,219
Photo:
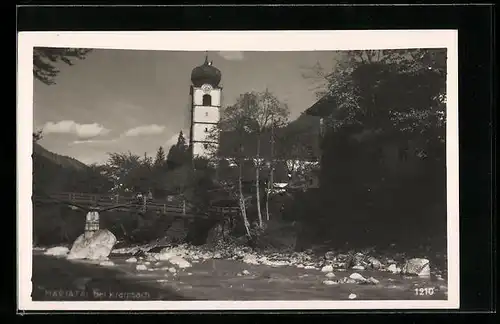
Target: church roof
323,107
206,74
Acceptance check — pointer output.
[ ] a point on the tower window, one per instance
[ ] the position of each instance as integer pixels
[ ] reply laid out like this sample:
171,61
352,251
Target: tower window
205,146
206,114
207,100
206,129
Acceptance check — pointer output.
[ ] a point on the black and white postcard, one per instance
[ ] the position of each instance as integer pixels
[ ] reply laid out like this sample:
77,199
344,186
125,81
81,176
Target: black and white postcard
266,170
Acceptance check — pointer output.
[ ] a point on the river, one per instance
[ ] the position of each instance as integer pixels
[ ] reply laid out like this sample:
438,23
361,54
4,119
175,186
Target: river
55,278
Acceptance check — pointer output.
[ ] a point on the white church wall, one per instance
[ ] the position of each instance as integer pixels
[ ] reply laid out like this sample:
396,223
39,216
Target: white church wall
201,131
206,114
216,97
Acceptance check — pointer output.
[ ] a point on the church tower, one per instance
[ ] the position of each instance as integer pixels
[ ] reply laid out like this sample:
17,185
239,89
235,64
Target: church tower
205,96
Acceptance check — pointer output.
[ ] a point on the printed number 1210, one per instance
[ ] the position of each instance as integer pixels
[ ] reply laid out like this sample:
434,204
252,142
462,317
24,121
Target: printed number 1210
424,291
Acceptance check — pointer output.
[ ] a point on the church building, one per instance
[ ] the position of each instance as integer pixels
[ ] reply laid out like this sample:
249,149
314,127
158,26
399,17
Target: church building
205,101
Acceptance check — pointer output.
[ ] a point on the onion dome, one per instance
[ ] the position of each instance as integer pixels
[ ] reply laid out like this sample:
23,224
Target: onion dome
205,74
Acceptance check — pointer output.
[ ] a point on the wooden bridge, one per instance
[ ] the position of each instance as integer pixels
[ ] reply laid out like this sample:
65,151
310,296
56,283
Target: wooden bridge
96,202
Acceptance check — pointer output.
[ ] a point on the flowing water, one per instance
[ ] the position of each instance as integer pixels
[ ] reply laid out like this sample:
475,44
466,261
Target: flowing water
216,280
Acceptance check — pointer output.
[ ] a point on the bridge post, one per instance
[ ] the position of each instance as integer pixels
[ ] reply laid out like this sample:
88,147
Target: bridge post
144,204
91,223
183,207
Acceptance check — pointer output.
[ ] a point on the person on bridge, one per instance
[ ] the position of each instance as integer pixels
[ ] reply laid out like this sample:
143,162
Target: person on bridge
150,195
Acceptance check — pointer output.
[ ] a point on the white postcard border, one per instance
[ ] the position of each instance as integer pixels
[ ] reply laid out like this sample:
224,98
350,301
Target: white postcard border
231,41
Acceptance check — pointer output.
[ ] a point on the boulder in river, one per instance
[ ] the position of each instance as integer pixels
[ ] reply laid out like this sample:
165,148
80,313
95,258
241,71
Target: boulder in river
327,268
107,263
330,275
394,269
57,251
95,247
347,280
355,260
250,259
417,267
179,261
357,277
164,255
330,256
374,263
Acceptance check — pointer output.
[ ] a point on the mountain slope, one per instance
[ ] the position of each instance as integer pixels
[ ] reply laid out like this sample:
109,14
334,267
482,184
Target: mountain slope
57,173
61,160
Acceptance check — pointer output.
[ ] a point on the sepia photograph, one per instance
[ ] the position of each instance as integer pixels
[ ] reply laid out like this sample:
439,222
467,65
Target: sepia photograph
243,170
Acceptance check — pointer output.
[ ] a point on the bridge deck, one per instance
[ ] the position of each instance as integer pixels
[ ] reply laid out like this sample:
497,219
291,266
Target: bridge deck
179,209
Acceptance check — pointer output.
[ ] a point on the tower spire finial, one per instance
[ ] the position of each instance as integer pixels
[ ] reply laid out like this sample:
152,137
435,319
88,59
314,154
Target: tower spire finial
206,57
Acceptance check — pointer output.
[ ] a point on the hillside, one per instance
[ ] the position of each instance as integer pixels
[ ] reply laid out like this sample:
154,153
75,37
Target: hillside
61,160
57,173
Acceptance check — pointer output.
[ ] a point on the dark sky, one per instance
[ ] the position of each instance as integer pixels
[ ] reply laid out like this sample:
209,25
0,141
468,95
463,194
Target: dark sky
127,100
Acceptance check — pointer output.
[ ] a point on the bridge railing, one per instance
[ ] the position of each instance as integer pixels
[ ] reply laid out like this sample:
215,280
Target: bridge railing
96,199
160,206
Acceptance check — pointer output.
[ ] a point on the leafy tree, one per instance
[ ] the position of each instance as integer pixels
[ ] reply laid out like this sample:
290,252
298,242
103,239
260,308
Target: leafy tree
38,135
141,179
91,180
119,168
160,158
178,153
382,99
158,173
98,179
45,59
297,145
401,90
147,160
387,94
181,141
397,94
199,182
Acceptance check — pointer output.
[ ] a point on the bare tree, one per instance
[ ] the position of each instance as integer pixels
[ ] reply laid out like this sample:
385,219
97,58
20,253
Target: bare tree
261,110
253,114
270,181
232,123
